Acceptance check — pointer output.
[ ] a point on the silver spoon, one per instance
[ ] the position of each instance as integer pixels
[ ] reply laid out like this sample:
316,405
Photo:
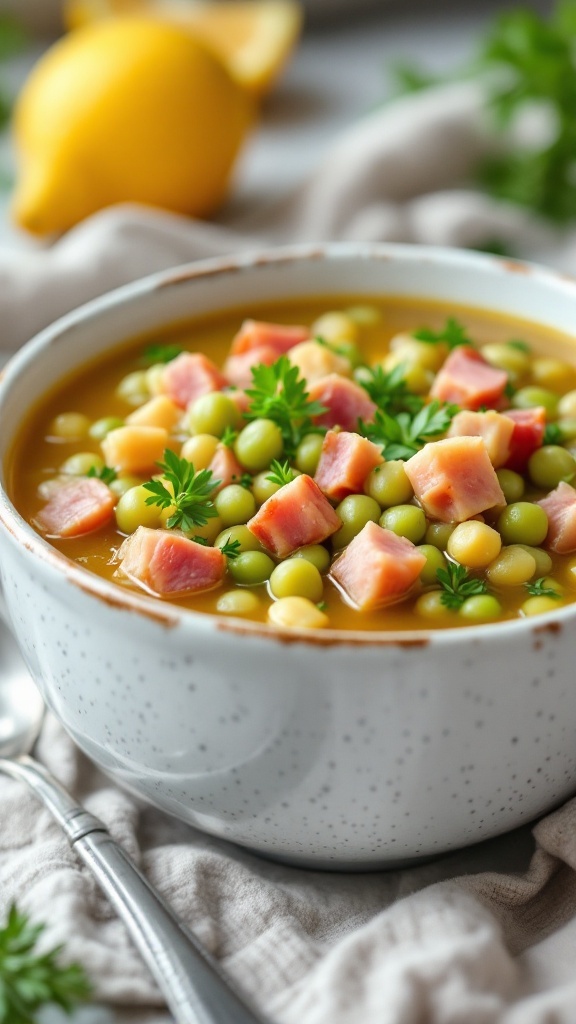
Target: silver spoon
195,989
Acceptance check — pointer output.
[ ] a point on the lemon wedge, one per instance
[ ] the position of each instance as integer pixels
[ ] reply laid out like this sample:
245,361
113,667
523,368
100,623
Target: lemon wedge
253,38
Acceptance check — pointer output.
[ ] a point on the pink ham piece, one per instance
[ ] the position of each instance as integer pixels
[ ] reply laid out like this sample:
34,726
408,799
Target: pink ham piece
377,568
454,479
560,507
167,563
296,515
466,379
255,334
225,467
494,428
527,435
346,460
190,375
76,506
238,368
346,402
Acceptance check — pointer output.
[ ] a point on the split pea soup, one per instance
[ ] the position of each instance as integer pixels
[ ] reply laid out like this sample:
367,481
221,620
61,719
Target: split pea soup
379,465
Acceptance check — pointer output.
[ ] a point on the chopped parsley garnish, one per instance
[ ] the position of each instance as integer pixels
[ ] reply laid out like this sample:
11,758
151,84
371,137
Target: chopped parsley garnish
246,481
282,473
31,980
389,390
161,353
457,585
540,588
229,436
552,434
521,346
452,334
231,548
400,437
191,494
278,394
106,474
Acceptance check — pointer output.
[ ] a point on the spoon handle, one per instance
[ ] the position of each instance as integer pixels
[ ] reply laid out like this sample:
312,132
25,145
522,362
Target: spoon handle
195,989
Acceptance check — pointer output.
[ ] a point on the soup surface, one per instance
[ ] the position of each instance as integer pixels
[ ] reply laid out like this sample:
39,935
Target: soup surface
382,465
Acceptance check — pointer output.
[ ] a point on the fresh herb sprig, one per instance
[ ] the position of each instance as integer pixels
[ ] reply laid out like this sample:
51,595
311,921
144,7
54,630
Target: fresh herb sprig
12,42
159,353
282,473
402,436
29,980
106,474
231,548
457,585
279,394
191,494
452,334
540,588
389,390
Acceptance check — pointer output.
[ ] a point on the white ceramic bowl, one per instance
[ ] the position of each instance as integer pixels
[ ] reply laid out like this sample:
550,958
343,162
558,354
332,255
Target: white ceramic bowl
330,750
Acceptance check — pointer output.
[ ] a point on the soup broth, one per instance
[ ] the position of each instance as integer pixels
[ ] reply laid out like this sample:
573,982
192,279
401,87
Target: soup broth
505,564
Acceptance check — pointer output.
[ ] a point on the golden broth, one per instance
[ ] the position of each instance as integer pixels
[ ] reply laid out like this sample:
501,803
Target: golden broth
35,458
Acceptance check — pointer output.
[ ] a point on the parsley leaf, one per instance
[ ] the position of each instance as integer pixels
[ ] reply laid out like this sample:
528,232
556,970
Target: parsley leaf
106,474
541,588
457,585
190,496
231,548
452,334
281,474
389,391
28,980
229,436
552,434
161,353
402,436
278,394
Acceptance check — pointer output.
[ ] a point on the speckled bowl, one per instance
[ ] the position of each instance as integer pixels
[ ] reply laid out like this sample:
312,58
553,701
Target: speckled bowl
330,750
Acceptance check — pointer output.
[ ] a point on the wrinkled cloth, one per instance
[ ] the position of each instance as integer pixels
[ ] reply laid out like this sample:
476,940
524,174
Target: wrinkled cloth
483,936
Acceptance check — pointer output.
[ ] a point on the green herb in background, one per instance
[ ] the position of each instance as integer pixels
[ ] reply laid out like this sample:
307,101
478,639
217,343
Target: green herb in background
527,60
12,41
29,980
401,436
452,334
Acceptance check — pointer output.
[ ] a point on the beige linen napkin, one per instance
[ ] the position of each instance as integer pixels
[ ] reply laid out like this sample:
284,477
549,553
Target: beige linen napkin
481,936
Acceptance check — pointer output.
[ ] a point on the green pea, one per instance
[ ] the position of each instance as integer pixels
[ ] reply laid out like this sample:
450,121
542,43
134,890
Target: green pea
81,463
523,522
297,577
315,553
238,602
69,426
481,608
431,605
406,520
542,559
262,488
531,396
235,504
308,453
133,388
567,429
354,512
212,413
434,560
251,568
132,510
438,534
123,483
512,484
100,428
389,485
258,443
240,533
549,465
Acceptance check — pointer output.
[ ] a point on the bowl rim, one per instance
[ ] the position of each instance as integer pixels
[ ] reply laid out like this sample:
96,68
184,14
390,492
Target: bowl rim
168,615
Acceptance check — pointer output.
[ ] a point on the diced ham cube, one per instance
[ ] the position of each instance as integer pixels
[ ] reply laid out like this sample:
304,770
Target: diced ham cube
466,379
296,515
159,411
76,506
238,369
560,507
254,334
315,361
225,467
527,435
190,375
454,479
168,564
346,402
494,428
134,448
377,568
346,459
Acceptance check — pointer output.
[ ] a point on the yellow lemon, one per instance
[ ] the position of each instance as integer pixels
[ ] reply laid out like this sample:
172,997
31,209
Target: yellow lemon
122,110
253,38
